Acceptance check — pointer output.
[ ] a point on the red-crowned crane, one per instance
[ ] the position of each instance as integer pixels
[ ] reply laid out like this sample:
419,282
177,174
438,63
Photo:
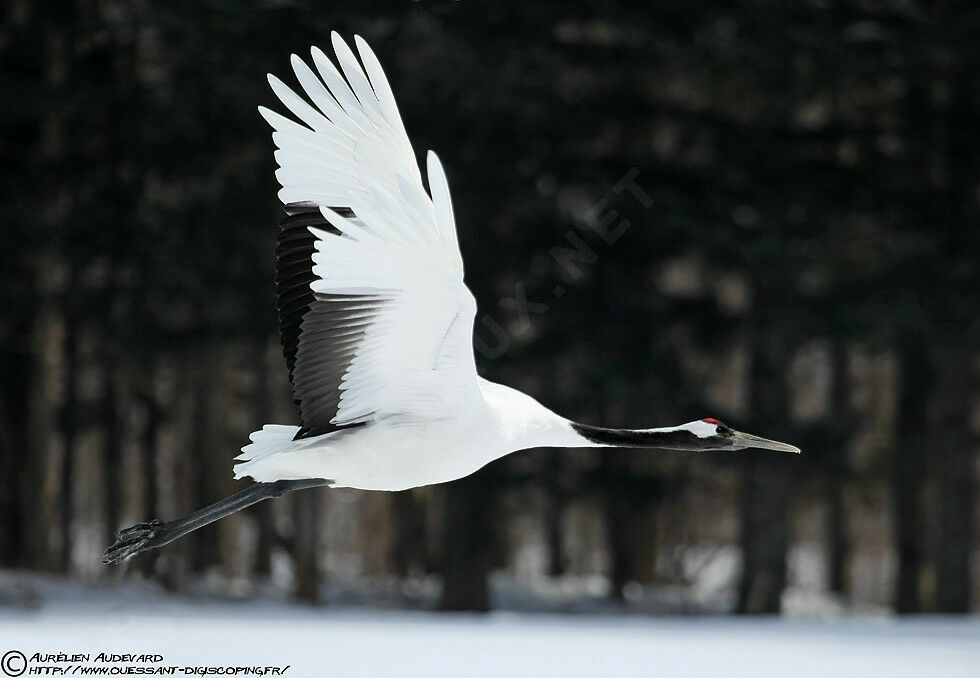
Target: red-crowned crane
376,321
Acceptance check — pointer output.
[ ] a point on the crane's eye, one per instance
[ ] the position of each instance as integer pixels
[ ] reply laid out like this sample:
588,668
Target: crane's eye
720,430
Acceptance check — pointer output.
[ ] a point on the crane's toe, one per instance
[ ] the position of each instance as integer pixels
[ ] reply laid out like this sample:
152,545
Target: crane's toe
132,540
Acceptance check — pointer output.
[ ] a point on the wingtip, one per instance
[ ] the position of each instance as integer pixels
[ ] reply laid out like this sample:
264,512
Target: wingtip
322,61
267,114
433,163
364,50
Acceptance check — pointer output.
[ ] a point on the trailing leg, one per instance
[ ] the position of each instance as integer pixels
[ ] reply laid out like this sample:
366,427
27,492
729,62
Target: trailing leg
154,534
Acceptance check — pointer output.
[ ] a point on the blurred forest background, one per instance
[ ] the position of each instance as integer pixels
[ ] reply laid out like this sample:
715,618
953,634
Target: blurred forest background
760,211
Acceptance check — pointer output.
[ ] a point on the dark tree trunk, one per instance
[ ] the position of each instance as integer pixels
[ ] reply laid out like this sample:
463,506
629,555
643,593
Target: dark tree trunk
554,515
767,485
13,448
68,423
111,447
306,507
624,521
908,477
468,548
182,464
554,526
765,533
266,539
953,455
20,296
148,454
19,482
408,545
953,353
120,154
838,543
620,515
204,547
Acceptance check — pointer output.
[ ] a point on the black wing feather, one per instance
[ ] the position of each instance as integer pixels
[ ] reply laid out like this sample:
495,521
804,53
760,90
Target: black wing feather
319,332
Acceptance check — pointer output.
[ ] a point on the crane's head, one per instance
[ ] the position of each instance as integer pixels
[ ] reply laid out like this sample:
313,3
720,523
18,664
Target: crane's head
716,435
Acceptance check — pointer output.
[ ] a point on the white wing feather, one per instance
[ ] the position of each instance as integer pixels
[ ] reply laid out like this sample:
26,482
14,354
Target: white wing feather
416,359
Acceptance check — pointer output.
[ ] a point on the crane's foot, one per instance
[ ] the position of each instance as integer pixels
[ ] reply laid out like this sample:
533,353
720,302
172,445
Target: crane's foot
136,539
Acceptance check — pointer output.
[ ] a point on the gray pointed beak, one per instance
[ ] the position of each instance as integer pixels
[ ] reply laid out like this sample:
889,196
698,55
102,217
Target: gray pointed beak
748,440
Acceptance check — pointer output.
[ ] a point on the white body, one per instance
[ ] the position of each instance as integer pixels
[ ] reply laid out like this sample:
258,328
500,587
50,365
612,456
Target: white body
398,455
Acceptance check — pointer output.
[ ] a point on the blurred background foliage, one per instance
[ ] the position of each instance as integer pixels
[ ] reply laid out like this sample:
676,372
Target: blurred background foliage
756,210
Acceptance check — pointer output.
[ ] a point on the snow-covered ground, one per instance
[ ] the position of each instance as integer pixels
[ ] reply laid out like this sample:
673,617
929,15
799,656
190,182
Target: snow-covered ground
207,631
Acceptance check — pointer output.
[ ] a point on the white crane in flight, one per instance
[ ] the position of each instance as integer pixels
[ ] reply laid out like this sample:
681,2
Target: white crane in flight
376,321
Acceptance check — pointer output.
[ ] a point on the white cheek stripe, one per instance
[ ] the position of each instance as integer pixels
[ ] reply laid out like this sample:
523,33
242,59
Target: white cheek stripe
701,429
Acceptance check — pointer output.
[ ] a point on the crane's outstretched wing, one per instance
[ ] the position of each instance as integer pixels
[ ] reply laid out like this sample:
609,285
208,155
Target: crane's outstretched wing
374,317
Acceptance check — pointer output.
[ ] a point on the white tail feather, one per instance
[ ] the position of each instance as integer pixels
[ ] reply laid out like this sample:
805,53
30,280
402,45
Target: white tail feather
271,439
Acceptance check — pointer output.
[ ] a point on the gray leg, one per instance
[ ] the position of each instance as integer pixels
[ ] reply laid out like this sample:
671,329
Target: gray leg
154,534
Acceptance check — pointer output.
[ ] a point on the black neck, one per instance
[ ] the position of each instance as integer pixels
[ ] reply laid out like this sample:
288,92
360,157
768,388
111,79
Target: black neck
625,437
